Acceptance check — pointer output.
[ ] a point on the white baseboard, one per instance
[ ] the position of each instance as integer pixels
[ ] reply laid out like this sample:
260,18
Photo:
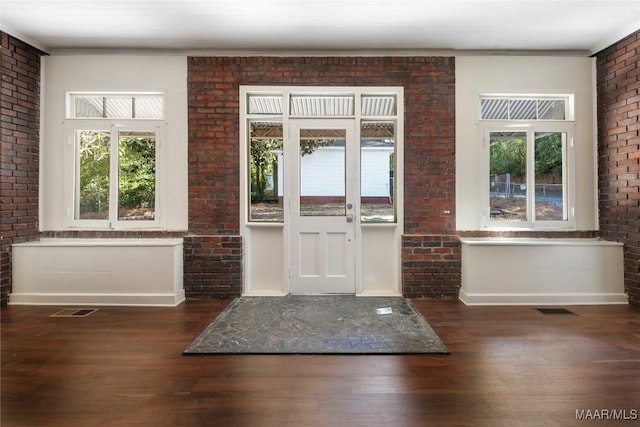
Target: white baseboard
542,299
265,294
133,300
379,294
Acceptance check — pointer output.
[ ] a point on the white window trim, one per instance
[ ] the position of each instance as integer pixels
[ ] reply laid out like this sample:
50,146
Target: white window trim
569,183
286,92
71,168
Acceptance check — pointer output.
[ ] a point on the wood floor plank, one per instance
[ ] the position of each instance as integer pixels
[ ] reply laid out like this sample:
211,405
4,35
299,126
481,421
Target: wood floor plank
509,366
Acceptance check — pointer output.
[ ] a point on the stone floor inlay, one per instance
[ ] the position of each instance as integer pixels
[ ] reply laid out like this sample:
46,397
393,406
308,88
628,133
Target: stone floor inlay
318,325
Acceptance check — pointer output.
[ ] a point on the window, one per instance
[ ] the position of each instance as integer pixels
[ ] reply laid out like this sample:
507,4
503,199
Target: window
115,106
525,108
323,156
265,169
377,166
529,164
113,180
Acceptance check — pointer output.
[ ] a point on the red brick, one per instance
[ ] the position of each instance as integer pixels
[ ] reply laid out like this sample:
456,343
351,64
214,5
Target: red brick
429,83
618,158
20,68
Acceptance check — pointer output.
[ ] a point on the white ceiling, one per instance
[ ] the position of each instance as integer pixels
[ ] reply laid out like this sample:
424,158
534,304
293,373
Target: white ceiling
304,26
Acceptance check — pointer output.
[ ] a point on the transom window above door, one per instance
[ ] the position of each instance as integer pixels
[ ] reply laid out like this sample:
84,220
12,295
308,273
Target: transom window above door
325,105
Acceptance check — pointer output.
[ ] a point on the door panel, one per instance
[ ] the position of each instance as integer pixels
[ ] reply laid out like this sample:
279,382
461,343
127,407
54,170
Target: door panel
322,206
337,254
310,254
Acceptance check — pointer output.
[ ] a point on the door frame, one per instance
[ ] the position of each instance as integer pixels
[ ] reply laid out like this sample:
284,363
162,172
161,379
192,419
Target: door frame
265,244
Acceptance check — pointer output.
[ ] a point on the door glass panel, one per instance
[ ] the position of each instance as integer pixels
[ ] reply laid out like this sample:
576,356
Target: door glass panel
92,189
266,171
550,203
137,176
377,170
508,176
322,172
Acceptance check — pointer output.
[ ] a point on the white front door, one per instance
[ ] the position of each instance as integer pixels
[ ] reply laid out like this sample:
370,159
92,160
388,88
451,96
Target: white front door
322,202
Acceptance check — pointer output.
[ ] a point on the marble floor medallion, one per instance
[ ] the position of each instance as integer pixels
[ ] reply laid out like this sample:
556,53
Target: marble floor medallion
318,325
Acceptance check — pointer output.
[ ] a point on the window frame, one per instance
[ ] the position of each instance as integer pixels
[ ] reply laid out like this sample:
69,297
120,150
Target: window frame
392,178
285,95
531,127
568,176
71,174
280,161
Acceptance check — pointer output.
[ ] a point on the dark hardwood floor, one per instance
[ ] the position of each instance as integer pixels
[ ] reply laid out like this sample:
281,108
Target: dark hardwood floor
509,366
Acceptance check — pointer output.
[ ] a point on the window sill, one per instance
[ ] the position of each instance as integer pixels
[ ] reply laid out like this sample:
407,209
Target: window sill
92,242
533,241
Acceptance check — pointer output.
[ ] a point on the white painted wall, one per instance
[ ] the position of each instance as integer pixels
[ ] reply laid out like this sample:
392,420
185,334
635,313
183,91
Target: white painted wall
532,271
107,271
115,73
477,75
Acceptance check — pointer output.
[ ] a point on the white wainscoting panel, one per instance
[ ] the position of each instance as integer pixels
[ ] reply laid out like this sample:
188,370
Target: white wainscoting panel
134,272
542,271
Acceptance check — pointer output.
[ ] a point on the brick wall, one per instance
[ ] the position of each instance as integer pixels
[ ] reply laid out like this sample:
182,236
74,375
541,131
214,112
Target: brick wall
619,153
20,127
429,84
431,266
212,266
